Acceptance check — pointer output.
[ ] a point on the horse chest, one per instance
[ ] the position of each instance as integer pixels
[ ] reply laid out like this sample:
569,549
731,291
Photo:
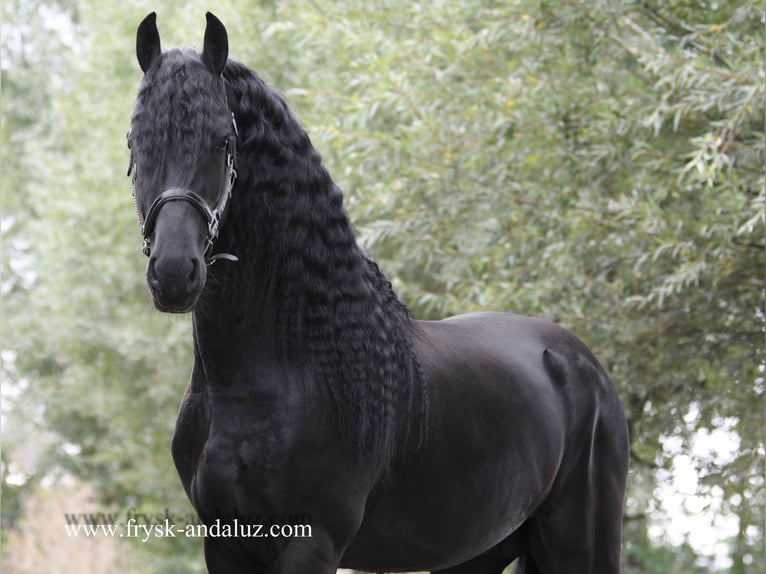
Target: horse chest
249,435
255,452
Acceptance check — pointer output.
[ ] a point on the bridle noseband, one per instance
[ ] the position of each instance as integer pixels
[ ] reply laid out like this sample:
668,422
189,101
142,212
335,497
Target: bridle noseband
211,216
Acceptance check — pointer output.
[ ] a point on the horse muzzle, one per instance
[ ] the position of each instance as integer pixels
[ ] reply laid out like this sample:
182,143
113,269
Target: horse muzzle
177,271
175,284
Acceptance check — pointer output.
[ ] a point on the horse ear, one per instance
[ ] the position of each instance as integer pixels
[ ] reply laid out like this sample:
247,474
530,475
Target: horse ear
147,42
216,48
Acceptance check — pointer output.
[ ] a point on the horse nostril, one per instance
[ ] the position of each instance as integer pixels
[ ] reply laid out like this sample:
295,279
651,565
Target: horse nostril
151,271
193,271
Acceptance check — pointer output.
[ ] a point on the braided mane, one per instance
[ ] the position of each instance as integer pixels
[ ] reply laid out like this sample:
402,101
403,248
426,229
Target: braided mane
336,310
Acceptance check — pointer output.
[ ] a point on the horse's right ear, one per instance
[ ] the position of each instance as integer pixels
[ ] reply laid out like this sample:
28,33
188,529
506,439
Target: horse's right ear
148,42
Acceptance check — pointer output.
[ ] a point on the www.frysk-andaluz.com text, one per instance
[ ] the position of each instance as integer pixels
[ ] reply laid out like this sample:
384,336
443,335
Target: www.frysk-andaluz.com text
146,526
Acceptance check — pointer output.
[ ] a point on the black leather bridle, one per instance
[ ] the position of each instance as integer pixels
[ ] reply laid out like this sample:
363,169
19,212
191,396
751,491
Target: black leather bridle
211,216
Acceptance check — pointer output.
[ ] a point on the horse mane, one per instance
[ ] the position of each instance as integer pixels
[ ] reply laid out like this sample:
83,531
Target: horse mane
336,310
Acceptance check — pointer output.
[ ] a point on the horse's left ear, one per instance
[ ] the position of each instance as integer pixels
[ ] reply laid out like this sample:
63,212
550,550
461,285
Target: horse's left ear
216,48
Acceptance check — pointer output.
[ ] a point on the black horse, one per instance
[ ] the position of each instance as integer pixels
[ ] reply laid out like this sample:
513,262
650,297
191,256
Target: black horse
451,446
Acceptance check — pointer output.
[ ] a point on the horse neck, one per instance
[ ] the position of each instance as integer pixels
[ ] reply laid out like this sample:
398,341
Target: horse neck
234,328
278,195
239,296
239,312
303,295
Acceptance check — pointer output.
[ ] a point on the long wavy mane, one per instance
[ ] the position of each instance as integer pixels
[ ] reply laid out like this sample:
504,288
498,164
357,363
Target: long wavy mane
336,310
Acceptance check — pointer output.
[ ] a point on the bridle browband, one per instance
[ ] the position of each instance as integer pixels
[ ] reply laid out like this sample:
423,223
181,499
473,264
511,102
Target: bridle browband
211,216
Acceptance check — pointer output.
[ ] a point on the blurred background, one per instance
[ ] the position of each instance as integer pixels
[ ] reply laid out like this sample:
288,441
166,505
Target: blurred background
599,164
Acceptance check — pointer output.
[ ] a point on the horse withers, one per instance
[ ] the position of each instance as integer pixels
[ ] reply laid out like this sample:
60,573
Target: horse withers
453,446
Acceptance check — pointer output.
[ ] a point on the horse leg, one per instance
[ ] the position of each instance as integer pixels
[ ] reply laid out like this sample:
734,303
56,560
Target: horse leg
314,555
493,561
496,559
526,566
579,526
229,559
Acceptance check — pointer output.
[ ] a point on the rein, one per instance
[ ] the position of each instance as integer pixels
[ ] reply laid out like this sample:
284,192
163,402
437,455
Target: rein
211,216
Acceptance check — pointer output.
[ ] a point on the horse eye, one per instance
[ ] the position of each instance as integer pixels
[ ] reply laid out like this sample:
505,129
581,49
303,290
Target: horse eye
223,144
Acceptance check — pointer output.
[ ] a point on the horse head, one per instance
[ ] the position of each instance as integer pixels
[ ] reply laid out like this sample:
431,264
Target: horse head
182,140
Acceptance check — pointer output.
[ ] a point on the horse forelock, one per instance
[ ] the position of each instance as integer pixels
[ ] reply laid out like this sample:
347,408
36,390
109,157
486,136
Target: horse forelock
335,307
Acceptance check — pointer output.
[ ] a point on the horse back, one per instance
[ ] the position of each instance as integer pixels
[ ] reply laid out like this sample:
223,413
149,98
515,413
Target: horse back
517,357
528,375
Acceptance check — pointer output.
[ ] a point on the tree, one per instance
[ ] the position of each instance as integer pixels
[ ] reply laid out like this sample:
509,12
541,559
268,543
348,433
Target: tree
100,375
599,165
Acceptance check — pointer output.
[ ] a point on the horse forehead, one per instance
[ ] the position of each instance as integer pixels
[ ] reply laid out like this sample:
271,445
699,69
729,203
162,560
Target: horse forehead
181,106
182,82
177,63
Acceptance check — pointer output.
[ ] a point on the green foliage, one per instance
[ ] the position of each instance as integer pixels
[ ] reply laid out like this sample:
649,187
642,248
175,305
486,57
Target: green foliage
597,164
